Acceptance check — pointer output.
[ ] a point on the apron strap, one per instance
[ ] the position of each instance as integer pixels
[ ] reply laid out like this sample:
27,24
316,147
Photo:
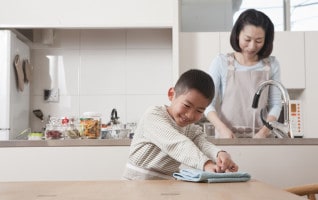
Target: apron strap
230,61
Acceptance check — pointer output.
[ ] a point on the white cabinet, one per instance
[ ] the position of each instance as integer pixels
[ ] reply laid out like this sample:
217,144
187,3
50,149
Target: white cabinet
108,163
289,49
198,49
310,95
225,46
87,13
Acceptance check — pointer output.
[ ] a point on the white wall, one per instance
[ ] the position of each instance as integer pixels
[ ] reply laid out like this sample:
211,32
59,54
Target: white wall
97,70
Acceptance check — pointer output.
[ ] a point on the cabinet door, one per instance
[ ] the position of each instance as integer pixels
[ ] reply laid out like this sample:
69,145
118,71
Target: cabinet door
290,52
225,46
197,49
310,96
87,13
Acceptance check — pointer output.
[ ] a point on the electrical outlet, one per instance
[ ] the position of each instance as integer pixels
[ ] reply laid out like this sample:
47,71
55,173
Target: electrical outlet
51,95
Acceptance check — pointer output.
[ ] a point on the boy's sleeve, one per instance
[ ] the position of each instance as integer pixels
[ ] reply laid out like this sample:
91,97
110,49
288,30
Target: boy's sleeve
208,148
169,139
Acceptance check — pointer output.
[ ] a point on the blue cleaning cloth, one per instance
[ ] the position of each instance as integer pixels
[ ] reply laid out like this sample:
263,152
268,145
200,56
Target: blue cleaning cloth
195,175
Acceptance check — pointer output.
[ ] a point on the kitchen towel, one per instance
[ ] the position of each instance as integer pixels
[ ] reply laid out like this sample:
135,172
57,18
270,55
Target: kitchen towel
195,175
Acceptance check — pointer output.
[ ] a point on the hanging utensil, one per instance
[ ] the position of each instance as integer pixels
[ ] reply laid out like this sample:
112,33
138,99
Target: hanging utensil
19,73
27,70
39,114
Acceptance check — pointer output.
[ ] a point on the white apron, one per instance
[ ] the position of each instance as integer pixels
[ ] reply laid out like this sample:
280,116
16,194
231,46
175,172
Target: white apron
236,107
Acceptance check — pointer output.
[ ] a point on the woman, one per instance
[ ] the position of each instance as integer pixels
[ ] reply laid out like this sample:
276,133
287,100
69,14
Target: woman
237,75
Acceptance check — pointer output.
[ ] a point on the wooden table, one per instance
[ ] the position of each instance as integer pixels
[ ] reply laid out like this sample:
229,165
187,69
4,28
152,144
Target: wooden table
138,190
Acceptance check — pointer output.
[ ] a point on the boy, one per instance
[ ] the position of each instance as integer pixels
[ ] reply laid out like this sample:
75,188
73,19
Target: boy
166,136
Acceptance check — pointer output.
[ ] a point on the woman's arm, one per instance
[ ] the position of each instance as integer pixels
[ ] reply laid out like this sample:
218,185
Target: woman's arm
222,129
274,99
264,132
218,72
274,96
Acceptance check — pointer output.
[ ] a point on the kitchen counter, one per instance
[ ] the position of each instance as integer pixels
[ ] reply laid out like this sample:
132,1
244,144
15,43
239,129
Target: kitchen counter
126,142
268,160
148,189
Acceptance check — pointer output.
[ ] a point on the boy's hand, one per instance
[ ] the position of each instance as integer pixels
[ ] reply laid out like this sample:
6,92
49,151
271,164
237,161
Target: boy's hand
209,166
225,163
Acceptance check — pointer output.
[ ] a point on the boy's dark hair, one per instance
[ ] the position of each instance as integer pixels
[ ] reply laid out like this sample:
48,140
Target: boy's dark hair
195,79
258,19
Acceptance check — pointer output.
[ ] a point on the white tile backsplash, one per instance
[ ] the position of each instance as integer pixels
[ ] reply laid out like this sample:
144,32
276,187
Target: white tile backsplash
149,71
55,68
104,105
62,39
98,70
137,104
66,39
103,39
102,72
149,39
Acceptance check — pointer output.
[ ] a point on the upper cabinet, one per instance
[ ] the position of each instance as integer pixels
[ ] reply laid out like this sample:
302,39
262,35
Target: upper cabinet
87,14
197,49
289,49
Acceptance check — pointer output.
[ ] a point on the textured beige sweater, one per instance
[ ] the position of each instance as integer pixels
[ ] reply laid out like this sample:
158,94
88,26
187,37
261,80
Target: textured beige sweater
160,146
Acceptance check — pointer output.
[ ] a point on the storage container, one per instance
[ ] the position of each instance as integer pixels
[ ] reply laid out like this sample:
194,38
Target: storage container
90,125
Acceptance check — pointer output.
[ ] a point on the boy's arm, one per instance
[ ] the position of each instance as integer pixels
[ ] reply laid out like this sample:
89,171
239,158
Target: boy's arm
168,138
208,148
222,159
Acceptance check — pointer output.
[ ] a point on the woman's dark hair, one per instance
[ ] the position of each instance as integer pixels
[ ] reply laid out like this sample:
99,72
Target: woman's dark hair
258,19
195,79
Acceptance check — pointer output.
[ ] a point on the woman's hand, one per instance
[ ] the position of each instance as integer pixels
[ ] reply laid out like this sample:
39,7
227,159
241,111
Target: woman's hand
225,132
222,130
262,133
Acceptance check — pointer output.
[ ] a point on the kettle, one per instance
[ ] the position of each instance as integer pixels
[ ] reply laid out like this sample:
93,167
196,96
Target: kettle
113,118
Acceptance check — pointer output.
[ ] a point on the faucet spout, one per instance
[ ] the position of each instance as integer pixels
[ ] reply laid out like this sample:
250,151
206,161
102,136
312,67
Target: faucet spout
279,129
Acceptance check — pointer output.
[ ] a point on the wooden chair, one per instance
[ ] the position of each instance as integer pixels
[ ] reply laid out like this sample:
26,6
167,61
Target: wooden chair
305,190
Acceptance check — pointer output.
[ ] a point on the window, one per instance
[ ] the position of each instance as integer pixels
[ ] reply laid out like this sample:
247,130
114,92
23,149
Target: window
219,15
272,8
302,14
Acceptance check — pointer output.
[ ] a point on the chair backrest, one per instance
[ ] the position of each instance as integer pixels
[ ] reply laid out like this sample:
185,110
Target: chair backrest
309,190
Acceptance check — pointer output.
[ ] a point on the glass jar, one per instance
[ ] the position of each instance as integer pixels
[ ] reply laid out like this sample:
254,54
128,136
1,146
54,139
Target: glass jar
91,125
54,132
73,129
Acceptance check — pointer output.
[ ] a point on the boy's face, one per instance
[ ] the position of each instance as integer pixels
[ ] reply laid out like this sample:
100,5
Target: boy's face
187,108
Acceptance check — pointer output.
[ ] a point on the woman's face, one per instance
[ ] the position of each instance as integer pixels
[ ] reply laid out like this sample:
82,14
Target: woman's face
187,108
251,40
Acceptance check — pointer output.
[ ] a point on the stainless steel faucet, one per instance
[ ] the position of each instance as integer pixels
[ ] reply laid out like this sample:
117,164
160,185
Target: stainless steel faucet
279,129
